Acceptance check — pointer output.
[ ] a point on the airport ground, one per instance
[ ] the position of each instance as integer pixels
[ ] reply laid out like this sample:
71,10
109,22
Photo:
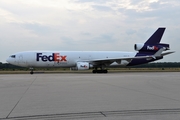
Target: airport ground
67,70
112,96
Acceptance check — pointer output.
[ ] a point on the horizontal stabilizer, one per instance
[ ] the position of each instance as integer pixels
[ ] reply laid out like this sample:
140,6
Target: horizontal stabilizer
158,53
167,53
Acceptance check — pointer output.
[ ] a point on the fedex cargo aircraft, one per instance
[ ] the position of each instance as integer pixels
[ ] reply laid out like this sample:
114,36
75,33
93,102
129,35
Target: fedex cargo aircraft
149,51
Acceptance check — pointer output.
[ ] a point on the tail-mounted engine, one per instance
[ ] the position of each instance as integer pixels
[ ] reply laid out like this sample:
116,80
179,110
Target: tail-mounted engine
150,48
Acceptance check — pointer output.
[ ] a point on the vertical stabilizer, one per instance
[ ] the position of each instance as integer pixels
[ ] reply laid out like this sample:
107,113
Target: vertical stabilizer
156,37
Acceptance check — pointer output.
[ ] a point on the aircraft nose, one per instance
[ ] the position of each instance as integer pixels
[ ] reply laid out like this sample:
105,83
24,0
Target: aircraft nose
11,59
8,60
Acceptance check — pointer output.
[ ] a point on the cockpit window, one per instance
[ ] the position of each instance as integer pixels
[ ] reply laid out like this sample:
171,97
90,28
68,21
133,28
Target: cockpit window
13,56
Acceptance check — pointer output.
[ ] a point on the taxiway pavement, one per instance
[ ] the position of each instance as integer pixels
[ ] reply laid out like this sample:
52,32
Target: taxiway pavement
126,95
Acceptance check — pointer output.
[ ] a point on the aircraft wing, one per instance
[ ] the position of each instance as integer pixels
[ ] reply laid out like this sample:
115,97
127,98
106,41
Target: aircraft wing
111,60
122,58
107,61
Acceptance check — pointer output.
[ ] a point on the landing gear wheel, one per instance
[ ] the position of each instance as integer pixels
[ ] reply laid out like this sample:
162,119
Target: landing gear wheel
94,71
105,71
31,71
100,71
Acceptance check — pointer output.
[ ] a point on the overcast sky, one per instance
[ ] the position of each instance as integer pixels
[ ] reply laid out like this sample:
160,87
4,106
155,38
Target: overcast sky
101,25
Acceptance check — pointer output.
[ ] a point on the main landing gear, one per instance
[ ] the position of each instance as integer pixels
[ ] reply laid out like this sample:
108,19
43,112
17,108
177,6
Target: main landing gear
100,71
32,72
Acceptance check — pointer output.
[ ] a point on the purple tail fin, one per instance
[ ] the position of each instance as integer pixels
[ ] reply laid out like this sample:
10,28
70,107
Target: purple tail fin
150,47
156,37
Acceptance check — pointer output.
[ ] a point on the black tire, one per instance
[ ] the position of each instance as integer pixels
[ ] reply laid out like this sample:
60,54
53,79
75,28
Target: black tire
99,71
105,71
94,71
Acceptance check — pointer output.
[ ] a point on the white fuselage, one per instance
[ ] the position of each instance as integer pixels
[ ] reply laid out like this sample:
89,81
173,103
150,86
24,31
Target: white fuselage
65,58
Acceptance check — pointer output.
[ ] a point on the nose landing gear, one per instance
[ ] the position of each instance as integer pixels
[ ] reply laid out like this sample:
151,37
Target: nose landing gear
32,72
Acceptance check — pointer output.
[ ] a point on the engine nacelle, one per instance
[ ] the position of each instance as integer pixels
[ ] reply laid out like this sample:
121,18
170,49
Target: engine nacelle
82,66
138,46
149,48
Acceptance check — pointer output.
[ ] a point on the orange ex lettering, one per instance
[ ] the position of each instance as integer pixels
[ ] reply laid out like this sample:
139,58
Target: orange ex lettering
58,57
63,58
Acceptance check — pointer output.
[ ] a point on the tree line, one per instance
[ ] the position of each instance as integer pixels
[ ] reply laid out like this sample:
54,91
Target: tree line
159,65
7,66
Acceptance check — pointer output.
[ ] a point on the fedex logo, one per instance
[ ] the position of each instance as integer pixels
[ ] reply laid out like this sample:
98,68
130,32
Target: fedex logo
84,66
54,57
152,48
